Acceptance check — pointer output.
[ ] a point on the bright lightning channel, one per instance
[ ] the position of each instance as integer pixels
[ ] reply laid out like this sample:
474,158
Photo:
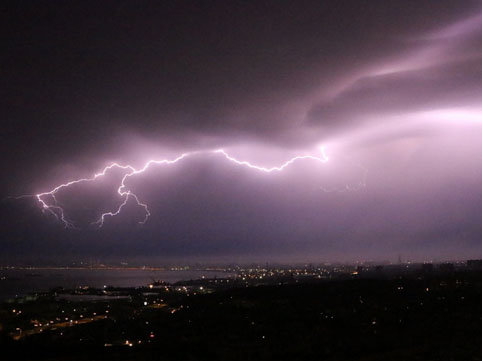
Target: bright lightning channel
56,209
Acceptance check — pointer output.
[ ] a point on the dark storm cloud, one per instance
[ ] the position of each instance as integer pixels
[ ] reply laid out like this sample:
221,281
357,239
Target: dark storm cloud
74,73
382,83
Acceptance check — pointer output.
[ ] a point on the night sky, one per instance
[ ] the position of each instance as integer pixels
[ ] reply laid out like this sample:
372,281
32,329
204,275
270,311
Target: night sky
392,89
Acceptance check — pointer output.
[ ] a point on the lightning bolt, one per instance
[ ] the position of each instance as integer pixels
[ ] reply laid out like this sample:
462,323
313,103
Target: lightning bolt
50,204
322,159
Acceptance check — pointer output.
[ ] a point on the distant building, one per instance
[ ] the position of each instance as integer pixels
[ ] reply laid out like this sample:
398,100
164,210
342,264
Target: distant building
379,269
475,264
427,267
447,267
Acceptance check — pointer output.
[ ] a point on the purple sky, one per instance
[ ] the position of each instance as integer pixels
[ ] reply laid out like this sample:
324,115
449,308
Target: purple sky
391,89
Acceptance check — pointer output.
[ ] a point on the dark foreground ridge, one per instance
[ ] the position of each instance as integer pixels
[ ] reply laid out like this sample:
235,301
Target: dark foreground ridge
429,317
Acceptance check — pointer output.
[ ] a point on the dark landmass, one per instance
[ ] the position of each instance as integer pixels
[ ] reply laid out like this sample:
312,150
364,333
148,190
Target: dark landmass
430,314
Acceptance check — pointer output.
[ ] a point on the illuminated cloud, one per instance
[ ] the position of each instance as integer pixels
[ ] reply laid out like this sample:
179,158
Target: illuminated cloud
392,89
